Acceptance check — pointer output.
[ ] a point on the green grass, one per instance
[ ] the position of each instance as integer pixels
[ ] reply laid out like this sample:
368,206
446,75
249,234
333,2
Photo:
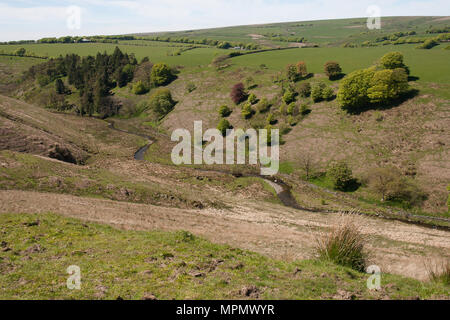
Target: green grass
323,32
161,53
38,249
429,65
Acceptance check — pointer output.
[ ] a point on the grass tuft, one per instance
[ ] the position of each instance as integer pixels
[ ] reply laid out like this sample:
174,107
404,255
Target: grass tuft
344,245
439,272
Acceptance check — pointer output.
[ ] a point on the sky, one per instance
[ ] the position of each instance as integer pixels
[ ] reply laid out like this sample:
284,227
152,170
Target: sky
31,20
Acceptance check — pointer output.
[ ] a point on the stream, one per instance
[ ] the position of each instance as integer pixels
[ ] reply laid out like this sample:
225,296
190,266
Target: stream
283,190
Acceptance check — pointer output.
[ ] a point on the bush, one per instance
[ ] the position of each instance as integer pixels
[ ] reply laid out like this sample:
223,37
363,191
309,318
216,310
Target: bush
327,93
252,98
340,175
352,94
428,44
332,70
271,119
161,75
304,89
238,93
161,102
291,73
304,109
345,246
301,69
289,96
387,85
317,91
247,111
139,88
292,109
223,126
393,60
263,105
20,52
224,111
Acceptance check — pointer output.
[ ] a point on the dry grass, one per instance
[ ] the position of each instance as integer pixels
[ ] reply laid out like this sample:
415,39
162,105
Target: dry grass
439,271
344,245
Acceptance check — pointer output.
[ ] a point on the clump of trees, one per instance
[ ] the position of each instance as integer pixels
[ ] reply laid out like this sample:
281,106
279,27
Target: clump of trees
161,102
296,72
391,185
238,93
93,77
428,44
320,91
333,70
374,85
161,75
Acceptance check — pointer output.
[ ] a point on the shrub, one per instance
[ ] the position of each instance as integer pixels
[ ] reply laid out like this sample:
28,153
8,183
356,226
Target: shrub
352,94
304,89
289,97
292,121
304,109
332,70
223,126
340,175
292,109
224,111
345,246
161,74
139,88
291,73
238,93
252,98
161,102
428,44
327,93
271,119
393,60
20,52
263,105
387,85
247,111
301,69
317,91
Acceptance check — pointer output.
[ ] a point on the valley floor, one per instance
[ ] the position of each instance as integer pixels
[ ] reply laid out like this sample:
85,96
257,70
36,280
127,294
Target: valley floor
270,229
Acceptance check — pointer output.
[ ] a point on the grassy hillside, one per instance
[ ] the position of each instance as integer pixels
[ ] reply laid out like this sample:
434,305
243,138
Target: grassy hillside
36,250
323,32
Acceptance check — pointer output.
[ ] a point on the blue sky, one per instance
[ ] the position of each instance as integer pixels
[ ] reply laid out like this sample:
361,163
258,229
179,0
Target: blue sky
27,19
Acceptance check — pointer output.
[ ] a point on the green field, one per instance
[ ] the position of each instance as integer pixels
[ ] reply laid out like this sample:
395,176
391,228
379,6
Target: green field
429,65
324,32
38,249
158,52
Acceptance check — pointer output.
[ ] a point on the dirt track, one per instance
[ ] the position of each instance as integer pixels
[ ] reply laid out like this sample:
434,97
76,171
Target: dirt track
269,229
